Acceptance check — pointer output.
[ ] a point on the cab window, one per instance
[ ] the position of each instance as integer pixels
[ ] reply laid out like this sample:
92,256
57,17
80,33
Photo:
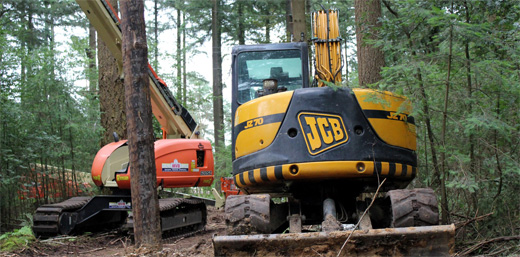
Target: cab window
253,67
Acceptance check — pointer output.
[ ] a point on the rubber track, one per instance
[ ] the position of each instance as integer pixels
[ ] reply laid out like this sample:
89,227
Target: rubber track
413,208
46,218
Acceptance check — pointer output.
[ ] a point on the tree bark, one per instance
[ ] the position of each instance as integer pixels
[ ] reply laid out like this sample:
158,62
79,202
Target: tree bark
91,54
156,36
184,82
145,205
299,25
92,80
241,31
471,139
218,110
444,196
288,21
111,99
370,58
267,23
179,61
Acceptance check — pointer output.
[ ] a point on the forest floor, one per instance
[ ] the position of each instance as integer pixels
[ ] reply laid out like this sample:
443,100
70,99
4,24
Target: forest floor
117,244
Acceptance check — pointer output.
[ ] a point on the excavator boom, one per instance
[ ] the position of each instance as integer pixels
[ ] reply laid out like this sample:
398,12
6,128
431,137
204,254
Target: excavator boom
175,120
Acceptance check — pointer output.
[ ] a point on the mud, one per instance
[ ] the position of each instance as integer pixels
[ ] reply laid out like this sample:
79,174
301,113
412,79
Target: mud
330,224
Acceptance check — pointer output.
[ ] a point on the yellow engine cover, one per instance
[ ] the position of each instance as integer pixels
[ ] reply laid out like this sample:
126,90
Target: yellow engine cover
258,121
388,114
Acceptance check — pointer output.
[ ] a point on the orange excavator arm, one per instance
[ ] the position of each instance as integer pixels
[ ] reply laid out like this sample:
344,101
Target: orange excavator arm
175,120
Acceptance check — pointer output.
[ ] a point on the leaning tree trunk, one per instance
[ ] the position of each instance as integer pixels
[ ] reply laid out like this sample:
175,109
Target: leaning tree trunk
145,204
370,58
111,98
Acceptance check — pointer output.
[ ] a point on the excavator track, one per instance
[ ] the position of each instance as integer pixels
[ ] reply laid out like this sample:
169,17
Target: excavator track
46,220
179,216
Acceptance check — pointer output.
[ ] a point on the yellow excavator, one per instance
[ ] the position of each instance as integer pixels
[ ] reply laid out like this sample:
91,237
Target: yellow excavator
323,168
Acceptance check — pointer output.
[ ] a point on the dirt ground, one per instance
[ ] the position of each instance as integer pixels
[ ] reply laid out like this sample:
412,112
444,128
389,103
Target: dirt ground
116,244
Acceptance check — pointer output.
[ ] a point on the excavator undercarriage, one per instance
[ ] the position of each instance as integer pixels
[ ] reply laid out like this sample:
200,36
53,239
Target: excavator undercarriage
80,214
399,222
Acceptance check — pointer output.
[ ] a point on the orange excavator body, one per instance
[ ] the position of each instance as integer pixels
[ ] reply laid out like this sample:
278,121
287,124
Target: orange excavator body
178,163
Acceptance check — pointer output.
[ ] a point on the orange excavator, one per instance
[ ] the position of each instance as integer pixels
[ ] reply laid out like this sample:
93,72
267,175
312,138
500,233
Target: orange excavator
181,159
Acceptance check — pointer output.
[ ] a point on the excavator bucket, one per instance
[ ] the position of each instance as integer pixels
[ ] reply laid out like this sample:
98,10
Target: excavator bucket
410,241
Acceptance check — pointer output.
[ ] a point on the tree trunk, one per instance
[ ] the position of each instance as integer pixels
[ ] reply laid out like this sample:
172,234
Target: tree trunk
145,205
111,99
184,83
444,196
299,25
92,80
370,58
241,32
218,110
288,21
179,61
91,54
267,23
156,36
472,161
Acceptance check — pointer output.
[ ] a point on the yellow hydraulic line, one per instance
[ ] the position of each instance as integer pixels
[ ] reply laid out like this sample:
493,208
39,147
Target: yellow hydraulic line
327,46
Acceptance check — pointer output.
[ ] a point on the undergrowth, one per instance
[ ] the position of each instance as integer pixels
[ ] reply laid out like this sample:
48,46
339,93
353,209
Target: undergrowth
17,239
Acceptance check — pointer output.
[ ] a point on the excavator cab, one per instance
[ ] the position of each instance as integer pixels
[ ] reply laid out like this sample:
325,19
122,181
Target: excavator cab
283,64
287,63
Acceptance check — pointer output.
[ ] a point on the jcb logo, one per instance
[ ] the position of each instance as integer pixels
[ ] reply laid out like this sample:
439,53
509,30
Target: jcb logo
322,131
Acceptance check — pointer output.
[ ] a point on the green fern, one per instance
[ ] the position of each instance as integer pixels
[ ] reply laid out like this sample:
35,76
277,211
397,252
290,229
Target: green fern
17,239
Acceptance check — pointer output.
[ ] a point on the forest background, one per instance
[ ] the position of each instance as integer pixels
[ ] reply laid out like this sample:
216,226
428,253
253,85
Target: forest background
457,61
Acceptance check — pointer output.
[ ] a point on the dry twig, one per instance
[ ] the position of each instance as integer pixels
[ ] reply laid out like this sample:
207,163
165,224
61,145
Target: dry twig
115,241
485,242
38,252
93,250
465,223
58,239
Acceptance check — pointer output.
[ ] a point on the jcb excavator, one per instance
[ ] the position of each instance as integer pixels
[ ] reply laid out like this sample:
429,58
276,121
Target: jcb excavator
323,163
181,159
